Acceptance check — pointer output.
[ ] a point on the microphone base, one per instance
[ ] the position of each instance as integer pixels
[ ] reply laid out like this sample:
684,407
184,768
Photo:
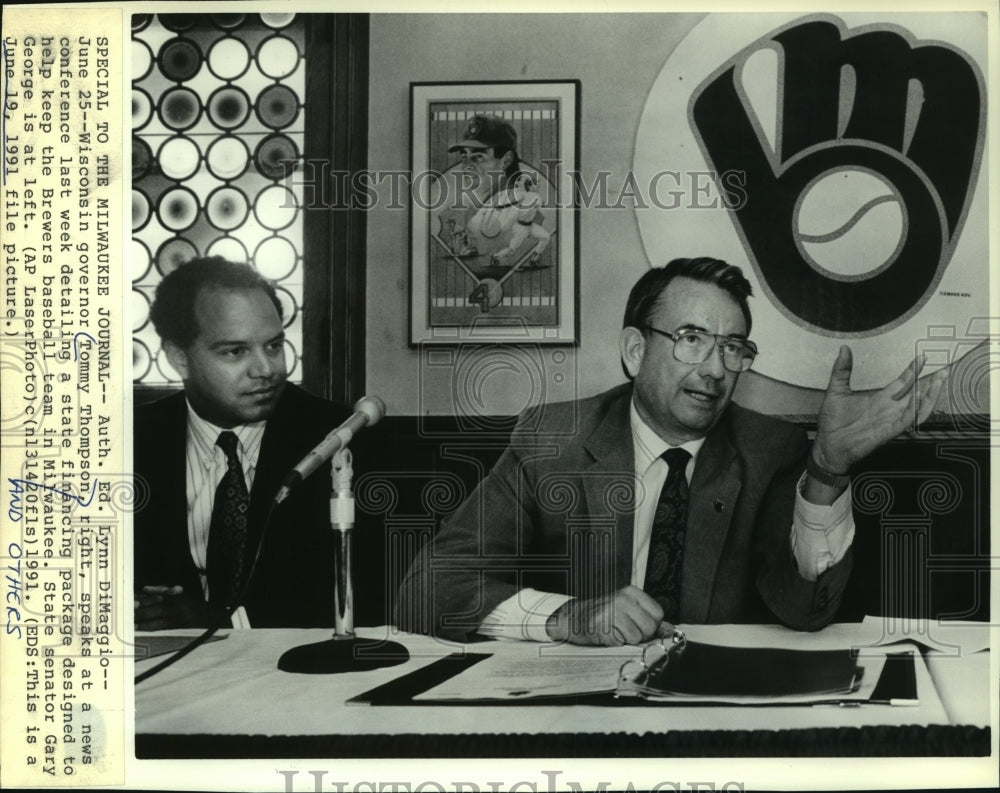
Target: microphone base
342,654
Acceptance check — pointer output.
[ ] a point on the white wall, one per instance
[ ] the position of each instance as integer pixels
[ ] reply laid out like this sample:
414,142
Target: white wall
616,57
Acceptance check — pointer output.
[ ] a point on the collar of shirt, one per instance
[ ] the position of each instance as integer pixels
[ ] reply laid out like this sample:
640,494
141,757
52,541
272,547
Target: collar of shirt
202,437
648,446
651,473
205,464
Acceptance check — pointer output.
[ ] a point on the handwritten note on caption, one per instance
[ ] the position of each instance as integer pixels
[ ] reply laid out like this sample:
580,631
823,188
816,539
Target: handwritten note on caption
67,496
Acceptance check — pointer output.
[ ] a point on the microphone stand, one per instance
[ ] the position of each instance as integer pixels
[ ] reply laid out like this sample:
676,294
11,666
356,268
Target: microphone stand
344,651
342,523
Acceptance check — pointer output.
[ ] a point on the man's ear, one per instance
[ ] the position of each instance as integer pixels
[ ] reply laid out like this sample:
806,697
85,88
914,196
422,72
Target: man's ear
632,344
177,358
506,160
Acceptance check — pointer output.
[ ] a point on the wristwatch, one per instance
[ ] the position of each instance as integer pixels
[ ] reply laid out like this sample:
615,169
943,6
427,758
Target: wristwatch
823,476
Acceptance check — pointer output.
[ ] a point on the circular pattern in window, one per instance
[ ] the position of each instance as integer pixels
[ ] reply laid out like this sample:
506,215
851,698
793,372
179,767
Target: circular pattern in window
177,209
142,158
228,248
180,108
179,158
142,109
277,106
173,253
277,57
142,361
142,59
140,210
228,21
228,59
276,156
275,258
217,126
227,208
289,310
177,22
179,60
277,21
275,207
228,107
140,260
227,157
140,310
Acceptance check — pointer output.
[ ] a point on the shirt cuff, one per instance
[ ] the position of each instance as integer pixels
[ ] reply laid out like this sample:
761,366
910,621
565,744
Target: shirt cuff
240,618
821,534
523,616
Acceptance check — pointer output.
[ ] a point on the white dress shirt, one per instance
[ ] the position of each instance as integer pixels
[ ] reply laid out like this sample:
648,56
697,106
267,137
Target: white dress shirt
819,536
206,465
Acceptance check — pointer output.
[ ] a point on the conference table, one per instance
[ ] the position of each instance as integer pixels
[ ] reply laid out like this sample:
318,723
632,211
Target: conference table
229,699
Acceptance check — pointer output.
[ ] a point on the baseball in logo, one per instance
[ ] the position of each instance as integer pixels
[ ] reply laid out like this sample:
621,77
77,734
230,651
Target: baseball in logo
858,146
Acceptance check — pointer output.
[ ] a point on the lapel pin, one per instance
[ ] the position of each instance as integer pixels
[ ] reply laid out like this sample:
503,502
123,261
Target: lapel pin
719,506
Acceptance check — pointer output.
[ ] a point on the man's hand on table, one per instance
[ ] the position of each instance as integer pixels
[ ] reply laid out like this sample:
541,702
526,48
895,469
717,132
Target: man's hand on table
628,616
159,608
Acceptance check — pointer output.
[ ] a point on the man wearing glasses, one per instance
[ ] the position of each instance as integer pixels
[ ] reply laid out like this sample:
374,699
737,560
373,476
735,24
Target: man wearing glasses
669,503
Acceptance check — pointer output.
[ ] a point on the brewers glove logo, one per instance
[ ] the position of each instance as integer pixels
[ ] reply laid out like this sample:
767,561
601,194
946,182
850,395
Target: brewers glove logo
906,115
856,142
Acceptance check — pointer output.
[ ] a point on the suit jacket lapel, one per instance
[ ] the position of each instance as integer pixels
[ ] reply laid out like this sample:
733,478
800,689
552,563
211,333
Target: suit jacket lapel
271,468
283,445
715,487
175,460
172,478
609,483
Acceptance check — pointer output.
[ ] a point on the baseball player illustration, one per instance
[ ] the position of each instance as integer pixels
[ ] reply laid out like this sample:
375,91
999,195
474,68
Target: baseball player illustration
492,215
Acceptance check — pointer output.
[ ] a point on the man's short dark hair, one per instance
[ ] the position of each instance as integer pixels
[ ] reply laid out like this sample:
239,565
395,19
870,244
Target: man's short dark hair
645,296
172,311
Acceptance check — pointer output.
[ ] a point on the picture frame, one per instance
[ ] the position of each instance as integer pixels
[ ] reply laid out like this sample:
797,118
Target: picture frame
493,227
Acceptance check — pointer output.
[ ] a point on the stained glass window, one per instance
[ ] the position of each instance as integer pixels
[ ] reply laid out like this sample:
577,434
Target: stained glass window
217,119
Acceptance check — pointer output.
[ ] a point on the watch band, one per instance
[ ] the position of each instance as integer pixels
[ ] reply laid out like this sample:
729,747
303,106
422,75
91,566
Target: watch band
823,476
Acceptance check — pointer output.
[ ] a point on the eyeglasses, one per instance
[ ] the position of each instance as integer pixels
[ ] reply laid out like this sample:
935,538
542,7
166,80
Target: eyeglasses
694,346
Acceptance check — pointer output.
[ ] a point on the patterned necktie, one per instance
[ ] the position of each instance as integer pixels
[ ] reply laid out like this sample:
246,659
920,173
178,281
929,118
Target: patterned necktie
666,541
227,534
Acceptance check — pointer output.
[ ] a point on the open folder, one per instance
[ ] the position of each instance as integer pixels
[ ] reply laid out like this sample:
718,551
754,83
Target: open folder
678,668
674,671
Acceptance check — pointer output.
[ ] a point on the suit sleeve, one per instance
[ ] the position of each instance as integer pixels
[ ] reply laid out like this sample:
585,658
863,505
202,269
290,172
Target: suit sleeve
794,600
469,567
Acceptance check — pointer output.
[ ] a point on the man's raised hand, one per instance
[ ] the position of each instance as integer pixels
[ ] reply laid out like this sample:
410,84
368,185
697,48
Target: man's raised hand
852,424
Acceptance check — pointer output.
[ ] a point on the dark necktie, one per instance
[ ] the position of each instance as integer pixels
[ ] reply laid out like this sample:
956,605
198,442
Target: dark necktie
666,541
227,534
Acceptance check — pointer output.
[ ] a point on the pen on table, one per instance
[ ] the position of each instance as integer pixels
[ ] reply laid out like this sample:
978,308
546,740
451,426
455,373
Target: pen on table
857,703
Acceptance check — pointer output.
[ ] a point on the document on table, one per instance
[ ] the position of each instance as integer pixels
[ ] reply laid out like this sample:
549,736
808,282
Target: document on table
525,671
951,637
562,670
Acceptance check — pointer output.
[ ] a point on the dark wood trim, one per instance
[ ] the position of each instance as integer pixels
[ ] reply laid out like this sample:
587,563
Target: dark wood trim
334,233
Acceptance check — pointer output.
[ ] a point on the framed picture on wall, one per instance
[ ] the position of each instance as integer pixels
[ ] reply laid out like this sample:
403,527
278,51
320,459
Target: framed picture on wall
493,222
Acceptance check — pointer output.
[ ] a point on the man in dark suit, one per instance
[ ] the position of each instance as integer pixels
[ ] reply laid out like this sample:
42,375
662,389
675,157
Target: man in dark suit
661,501
221,329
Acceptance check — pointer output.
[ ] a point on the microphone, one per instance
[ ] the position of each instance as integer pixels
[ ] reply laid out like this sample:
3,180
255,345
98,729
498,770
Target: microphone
367,411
